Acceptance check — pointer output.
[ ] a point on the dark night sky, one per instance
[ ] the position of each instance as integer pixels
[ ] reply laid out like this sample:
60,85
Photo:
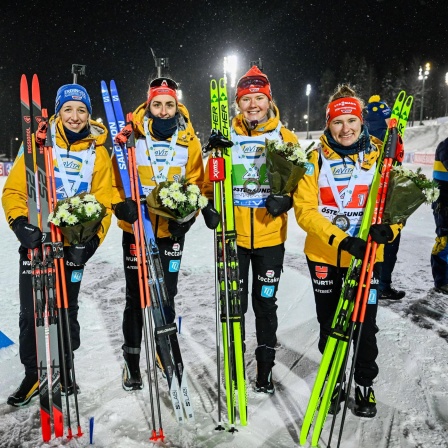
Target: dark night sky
295,40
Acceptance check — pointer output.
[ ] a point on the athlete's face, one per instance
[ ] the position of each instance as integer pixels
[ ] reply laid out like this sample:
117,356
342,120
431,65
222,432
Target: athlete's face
74,115
163,106
345,129
254,106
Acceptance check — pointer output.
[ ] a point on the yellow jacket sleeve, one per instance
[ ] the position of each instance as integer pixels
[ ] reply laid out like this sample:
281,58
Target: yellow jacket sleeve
14,196
101,187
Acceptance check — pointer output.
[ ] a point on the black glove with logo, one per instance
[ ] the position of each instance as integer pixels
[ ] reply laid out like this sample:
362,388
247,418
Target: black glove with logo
276,204
80,254
126,210
381,233
211,216
354,246
29,235
177,229
217,140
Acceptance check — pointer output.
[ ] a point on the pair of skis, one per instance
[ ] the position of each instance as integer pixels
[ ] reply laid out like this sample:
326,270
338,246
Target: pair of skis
47,267
228,303
160,338
355,290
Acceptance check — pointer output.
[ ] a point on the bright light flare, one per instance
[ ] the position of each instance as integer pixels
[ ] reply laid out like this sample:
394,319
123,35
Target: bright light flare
230,66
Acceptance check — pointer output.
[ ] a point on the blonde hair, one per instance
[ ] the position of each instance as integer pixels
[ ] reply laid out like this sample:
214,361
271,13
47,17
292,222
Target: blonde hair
344,91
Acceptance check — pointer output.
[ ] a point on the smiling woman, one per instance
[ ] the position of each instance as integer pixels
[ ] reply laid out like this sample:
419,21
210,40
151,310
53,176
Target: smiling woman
81,165
329,205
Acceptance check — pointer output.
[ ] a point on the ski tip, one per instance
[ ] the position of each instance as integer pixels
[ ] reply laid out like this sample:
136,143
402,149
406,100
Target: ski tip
409,100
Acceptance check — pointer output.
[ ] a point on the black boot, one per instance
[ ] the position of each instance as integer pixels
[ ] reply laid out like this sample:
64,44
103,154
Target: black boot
132,379
365,402
28,389
264,383
334,398
391,294
69,390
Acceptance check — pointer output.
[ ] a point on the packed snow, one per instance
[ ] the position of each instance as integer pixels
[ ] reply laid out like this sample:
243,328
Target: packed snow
411,389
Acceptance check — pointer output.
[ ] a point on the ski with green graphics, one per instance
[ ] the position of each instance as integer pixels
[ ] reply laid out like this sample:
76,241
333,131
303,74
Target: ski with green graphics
229,311
336,347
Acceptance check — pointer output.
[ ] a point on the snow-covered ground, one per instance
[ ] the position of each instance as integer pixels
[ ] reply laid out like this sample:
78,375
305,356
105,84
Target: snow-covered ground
411,389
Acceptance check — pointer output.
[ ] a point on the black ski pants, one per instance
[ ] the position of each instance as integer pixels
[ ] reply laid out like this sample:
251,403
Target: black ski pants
27,335
171,255
267,266
327,283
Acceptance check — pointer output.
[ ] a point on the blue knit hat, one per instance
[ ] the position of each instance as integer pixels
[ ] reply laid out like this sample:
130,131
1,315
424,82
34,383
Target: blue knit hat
377,112
72,92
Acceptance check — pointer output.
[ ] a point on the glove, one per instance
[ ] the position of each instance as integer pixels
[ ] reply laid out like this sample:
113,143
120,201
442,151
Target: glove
276,204
126,210
354,246
217,140
177,229
29,236
80,254
41,133
211,216
381,233
122,137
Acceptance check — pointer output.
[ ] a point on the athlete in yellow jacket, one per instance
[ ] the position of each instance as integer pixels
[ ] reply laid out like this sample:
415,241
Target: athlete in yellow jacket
166,149
329,203
82,164
260,217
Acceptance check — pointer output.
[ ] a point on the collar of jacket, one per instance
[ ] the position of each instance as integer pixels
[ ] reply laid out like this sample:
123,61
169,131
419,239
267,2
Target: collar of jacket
98,133
184,135
238,124
370,156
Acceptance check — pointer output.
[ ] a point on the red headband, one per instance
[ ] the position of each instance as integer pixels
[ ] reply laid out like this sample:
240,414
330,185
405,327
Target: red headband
343,106
163,89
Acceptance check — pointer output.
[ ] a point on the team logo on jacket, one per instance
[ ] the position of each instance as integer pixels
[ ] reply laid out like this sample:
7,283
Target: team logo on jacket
176,247
270,273
133,250
321,272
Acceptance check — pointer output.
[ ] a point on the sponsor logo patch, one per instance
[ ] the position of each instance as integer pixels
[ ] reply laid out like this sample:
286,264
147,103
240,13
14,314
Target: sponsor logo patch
174,266
267,291
321,272
372,297
77,276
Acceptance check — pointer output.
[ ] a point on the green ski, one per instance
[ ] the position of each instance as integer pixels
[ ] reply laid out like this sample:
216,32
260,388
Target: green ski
336,347
229,311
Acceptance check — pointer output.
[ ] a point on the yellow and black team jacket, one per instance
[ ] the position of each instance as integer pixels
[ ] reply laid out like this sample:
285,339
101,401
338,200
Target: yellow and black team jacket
323,237
191,164
14,197
255,227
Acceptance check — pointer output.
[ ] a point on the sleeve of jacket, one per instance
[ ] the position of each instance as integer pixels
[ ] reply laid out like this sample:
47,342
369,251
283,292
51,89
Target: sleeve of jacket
194,170
288,136
118,194
101,187
14,196
207,186
305,201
